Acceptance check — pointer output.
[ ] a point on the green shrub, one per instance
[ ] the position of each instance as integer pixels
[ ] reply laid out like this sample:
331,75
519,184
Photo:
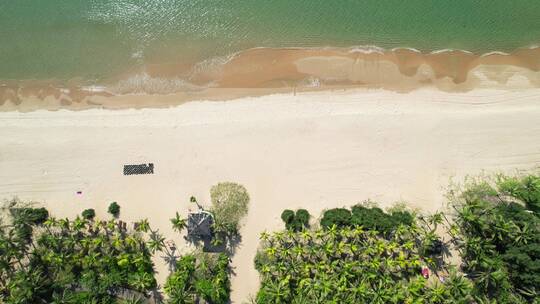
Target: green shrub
287,216
230,203
32,216
295,222
114,209
340,217
38,215
89,214
403,218
302,216
526,189
376,219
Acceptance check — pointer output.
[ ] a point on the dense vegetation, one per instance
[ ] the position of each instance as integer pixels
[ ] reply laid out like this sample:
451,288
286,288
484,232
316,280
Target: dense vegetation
356,255
200,277
49,260
295,221
366,255
368,217
352,265
497,230
46,260
205,277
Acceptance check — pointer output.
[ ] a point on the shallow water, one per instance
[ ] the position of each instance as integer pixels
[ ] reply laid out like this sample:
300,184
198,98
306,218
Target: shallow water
92,40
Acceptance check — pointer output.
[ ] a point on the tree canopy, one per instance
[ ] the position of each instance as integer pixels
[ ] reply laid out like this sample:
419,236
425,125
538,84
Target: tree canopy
497,230
230,203
46,260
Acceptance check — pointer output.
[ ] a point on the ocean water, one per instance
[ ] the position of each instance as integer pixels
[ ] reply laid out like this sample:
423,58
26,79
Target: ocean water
93,40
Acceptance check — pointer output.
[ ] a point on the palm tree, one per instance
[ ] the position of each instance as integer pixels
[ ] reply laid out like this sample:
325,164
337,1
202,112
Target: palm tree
142,226
156,242
178,223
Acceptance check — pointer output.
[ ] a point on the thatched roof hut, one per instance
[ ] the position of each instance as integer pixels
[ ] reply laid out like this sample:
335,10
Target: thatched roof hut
200,224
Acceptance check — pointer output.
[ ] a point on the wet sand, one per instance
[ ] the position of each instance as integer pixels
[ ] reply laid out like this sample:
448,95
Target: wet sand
262,71
314,150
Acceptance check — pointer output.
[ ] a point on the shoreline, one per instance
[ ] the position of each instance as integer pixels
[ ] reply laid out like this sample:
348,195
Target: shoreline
315,150
263,71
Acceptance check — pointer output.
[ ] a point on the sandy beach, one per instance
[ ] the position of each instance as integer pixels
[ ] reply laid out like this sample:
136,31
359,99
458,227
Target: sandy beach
314,149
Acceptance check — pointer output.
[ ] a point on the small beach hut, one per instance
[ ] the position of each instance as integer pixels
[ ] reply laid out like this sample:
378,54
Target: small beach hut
200,224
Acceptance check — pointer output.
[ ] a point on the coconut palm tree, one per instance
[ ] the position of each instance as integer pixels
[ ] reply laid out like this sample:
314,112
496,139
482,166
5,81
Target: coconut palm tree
178,223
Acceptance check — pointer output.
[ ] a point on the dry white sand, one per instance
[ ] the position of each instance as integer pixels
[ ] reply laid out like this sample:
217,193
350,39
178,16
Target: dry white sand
314,150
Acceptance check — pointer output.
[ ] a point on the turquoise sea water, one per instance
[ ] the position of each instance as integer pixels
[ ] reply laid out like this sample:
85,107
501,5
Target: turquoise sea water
94,39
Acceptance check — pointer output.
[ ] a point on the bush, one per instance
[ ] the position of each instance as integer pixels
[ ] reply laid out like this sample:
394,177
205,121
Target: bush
340,217
295,222
302,216
376,219
230,203
287,216
526,189
38,215
89,214
403,218
32,216
114,209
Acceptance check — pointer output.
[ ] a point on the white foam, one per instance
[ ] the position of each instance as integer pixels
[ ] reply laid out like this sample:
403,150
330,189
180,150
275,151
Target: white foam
366,49
406,48
442,51
145,84
494,53
94,88
213,63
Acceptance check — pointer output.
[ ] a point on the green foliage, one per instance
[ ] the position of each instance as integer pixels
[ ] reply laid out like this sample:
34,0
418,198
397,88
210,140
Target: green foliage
287,216
205,277
30,216
370,218
114,209
295,222
302,217
89,214
179,286
526,189
230,203
350,265
339,217
497,230
178,223
70,261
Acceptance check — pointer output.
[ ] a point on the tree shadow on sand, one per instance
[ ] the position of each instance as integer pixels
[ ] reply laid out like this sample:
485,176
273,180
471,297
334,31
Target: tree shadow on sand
216,244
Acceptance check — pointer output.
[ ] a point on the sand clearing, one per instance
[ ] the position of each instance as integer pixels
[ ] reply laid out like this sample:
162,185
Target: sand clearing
316,150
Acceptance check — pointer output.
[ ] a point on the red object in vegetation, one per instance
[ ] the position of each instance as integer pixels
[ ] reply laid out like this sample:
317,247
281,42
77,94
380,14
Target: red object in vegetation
425,272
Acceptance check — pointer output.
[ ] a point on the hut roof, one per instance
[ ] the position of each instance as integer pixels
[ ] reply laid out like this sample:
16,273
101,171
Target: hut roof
200,224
